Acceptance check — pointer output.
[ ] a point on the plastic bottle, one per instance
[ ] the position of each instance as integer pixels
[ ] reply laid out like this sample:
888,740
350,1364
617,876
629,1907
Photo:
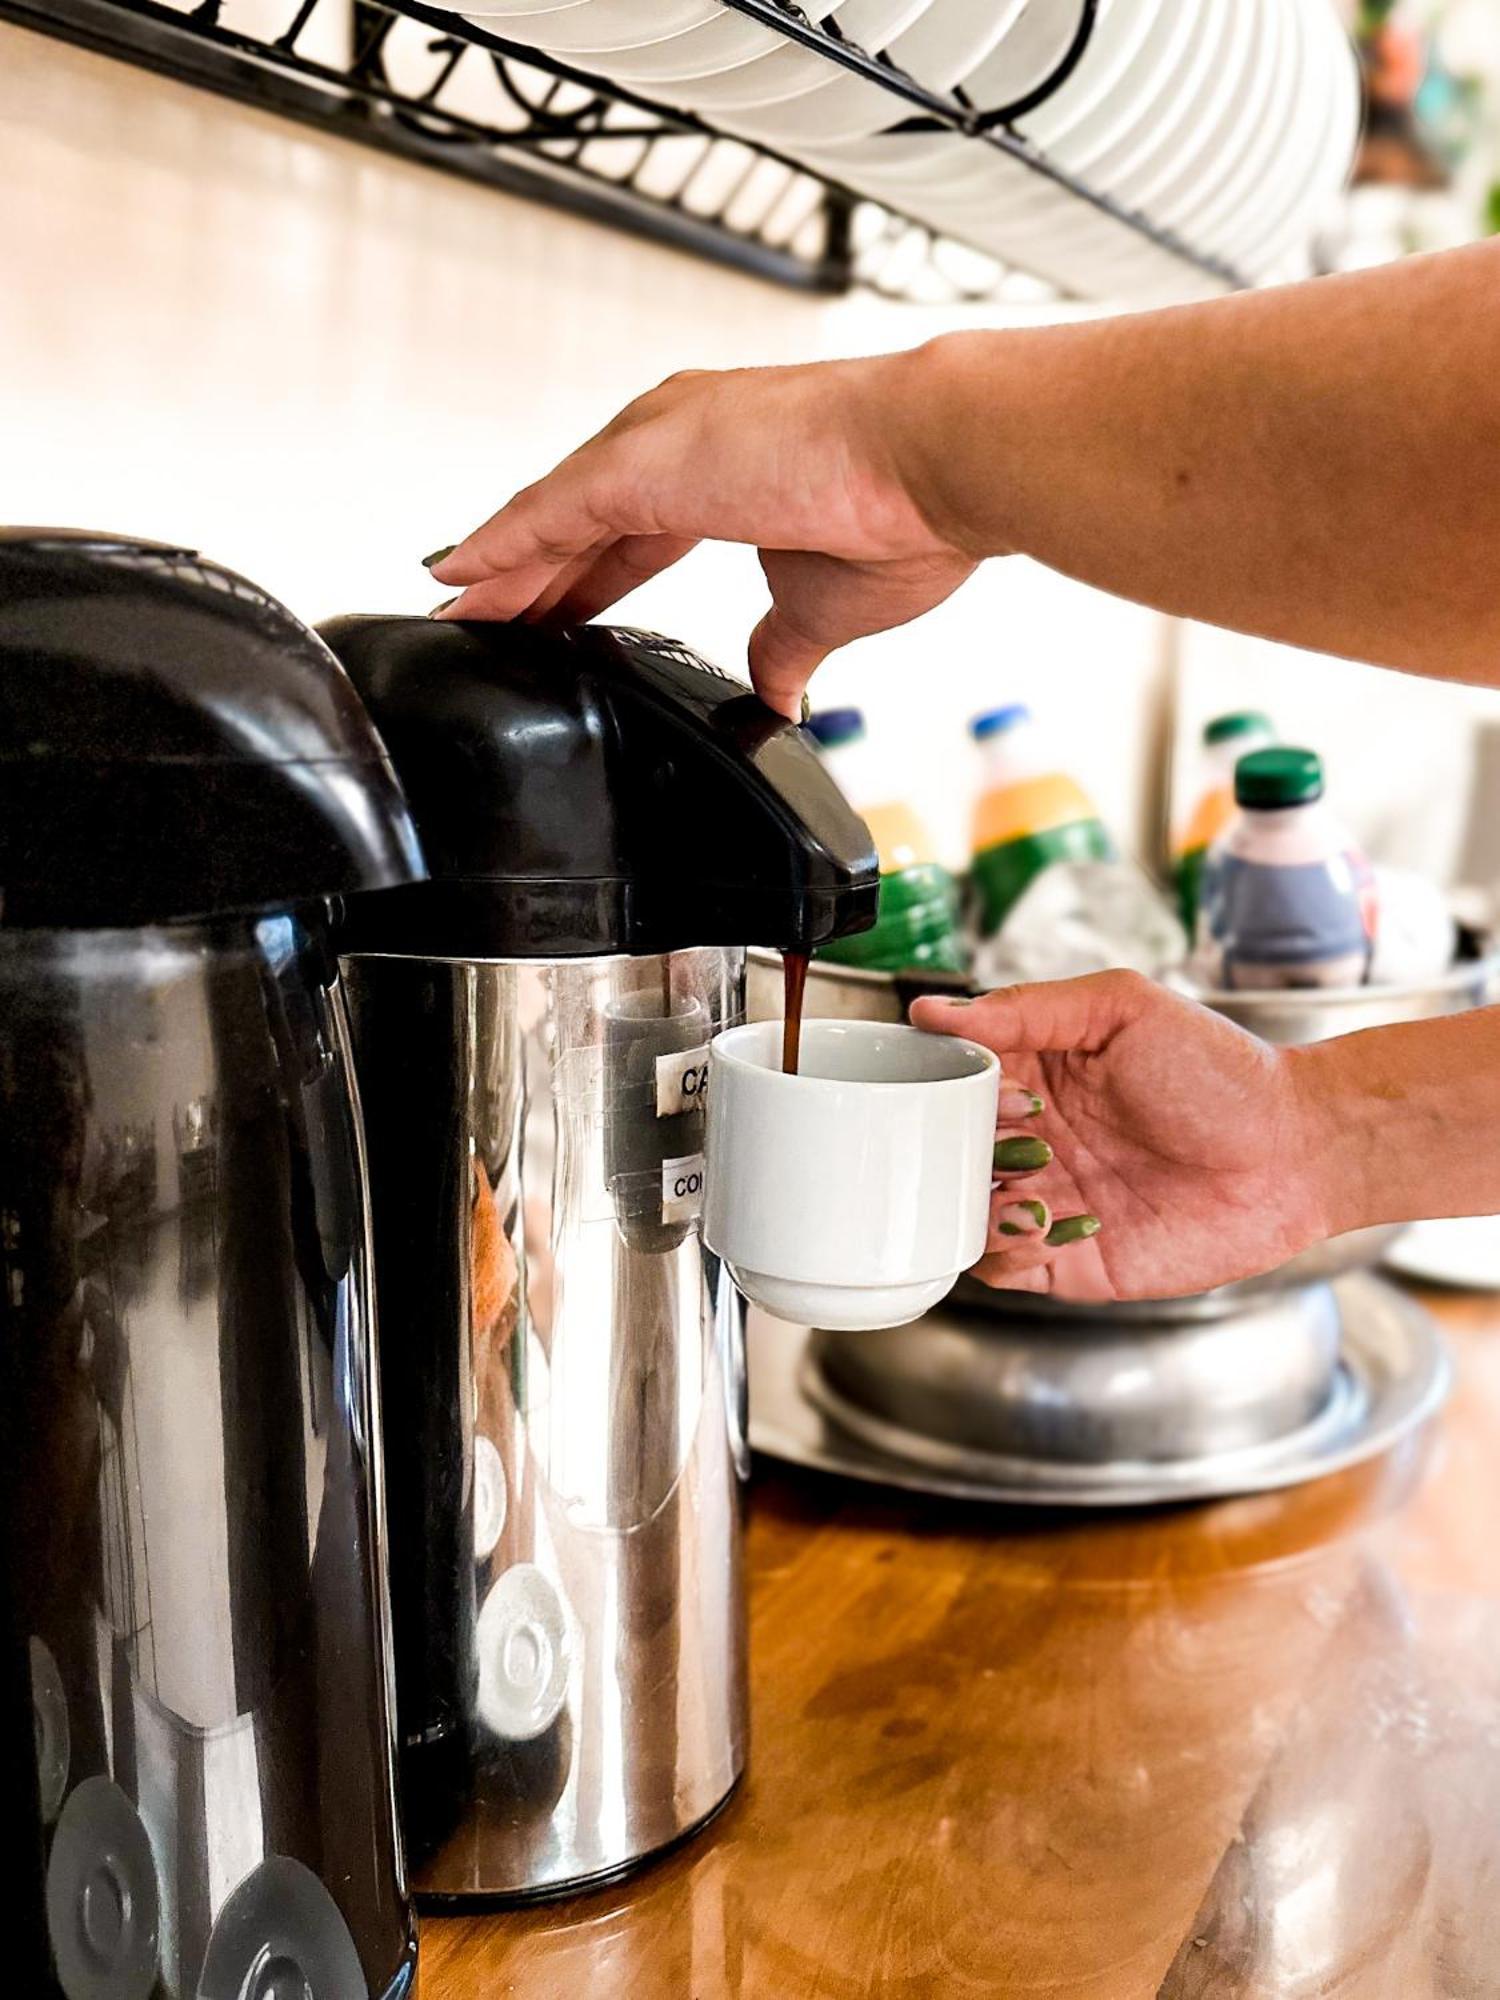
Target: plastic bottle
1029,814
1225,740
917,924
1287,898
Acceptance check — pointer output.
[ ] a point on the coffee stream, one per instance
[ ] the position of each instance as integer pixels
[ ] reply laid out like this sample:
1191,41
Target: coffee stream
794,975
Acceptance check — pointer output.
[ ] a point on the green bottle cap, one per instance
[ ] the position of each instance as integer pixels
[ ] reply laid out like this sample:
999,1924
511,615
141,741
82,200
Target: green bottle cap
1243,722
1270,778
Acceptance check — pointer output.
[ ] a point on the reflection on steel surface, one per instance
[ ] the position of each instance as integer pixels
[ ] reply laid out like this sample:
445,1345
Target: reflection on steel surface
562,1367
192,1525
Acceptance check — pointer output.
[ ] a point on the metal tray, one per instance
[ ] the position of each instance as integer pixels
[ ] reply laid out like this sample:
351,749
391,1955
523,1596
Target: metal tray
1393,1376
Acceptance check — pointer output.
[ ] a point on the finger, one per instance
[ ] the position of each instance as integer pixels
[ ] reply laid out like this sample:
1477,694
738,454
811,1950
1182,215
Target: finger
1050,1263
1019,1153
782,662
1012,1220
492,599
1072,1229
615,571
545,601
608,488
1017,1268
582,505
1017,1102
1053,1014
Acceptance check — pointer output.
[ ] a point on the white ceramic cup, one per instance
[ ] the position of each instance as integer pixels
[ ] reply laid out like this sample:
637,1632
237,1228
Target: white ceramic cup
854,1193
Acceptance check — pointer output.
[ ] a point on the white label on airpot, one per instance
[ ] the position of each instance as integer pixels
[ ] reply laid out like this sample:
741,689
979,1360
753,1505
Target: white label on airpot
682,1188
682,1082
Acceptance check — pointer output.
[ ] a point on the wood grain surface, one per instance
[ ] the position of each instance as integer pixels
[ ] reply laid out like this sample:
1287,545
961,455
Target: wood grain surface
1247,1749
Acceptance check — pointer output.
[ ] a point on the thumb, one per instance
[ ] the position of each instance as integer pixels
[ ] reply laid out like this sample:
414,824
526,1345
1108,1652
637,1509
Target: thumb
1081,1014
782,662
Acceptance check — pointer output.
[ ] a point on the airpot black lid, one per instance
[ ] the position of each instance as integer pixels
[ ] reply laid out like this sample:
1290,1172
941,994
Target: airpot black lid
596,790
175,744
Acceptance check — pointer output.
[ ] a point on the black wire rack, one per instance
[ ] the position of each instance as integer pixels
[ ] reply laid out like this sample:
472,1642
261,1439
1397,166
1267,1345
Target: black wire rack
422,83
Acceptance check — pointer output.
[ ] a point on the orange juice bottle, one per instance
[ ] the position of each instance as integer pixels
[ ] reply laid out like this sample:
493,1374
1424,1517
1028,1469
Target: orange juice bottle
1028,814
917,924
1225,740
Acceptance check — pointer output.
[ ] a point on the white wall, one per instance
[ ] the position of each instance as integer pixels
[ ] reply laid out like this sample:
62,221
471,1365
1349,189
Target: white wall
318,364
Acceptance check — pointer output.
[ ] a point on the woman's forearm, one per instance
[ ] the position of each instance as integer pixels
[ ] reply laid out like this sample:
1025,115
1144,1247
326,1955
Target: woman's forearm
1403,1123
1316,464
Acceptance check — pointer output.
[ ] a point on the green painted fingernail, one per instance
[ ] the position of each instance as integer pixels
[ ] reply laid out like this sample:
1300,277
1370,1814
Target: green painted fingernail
807,708
1073,1229
438,555
1019,1156
1037,1210
437,608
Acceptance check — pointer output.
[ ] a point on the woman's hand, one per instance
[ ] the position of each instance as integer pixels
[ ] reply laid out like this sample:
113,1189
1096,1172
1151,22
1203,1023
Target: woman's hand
1232,461
1198,1147
816,467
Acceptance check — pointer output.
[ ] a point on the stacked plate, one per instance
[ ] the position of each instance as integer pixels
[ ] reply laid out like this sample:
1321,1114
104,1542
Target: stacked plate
1228,123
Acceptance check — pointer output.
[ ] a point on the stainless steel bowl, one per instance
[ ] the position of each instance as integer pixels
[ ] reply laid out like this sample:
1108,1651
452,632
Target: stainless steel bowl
1289,1019
1297,1016
1092,1392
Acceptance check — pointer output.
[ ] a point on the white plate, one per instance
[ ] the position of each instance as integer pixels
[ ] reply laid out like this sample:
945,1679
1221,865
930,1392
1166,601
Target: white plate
874,24
790,71
1331,175
1303,121
1006,210
582,26
1223,119
521,9
920,160
1139,88
1208,84
953,37
717,45
1034,45
1004,195
949,167
1129,80
1215,211
1122,29
839,107
835,104
782,72
1170,114
1328,170
1089,254
1465,1252
1092,248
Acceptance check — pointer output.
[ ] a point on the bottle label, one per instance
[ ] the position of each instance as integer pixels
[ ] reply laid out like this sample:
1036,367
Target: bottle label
1030,806
682,1081
1002,874
1212,814
901,840
682,1188
1291,920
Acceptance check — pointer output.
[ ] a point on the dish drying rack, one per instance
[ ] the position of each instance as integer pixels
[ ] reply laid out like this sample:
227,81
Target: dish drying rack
555,133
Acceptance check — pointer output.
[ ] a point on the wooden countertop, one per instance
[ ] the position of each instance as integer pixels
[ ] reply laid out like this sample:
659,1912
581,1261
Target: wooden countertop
1244,1749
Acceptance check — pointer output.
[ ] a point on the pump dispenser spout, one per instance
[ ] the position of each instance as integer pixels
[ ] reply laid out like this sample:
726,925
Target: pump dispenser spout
598,790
